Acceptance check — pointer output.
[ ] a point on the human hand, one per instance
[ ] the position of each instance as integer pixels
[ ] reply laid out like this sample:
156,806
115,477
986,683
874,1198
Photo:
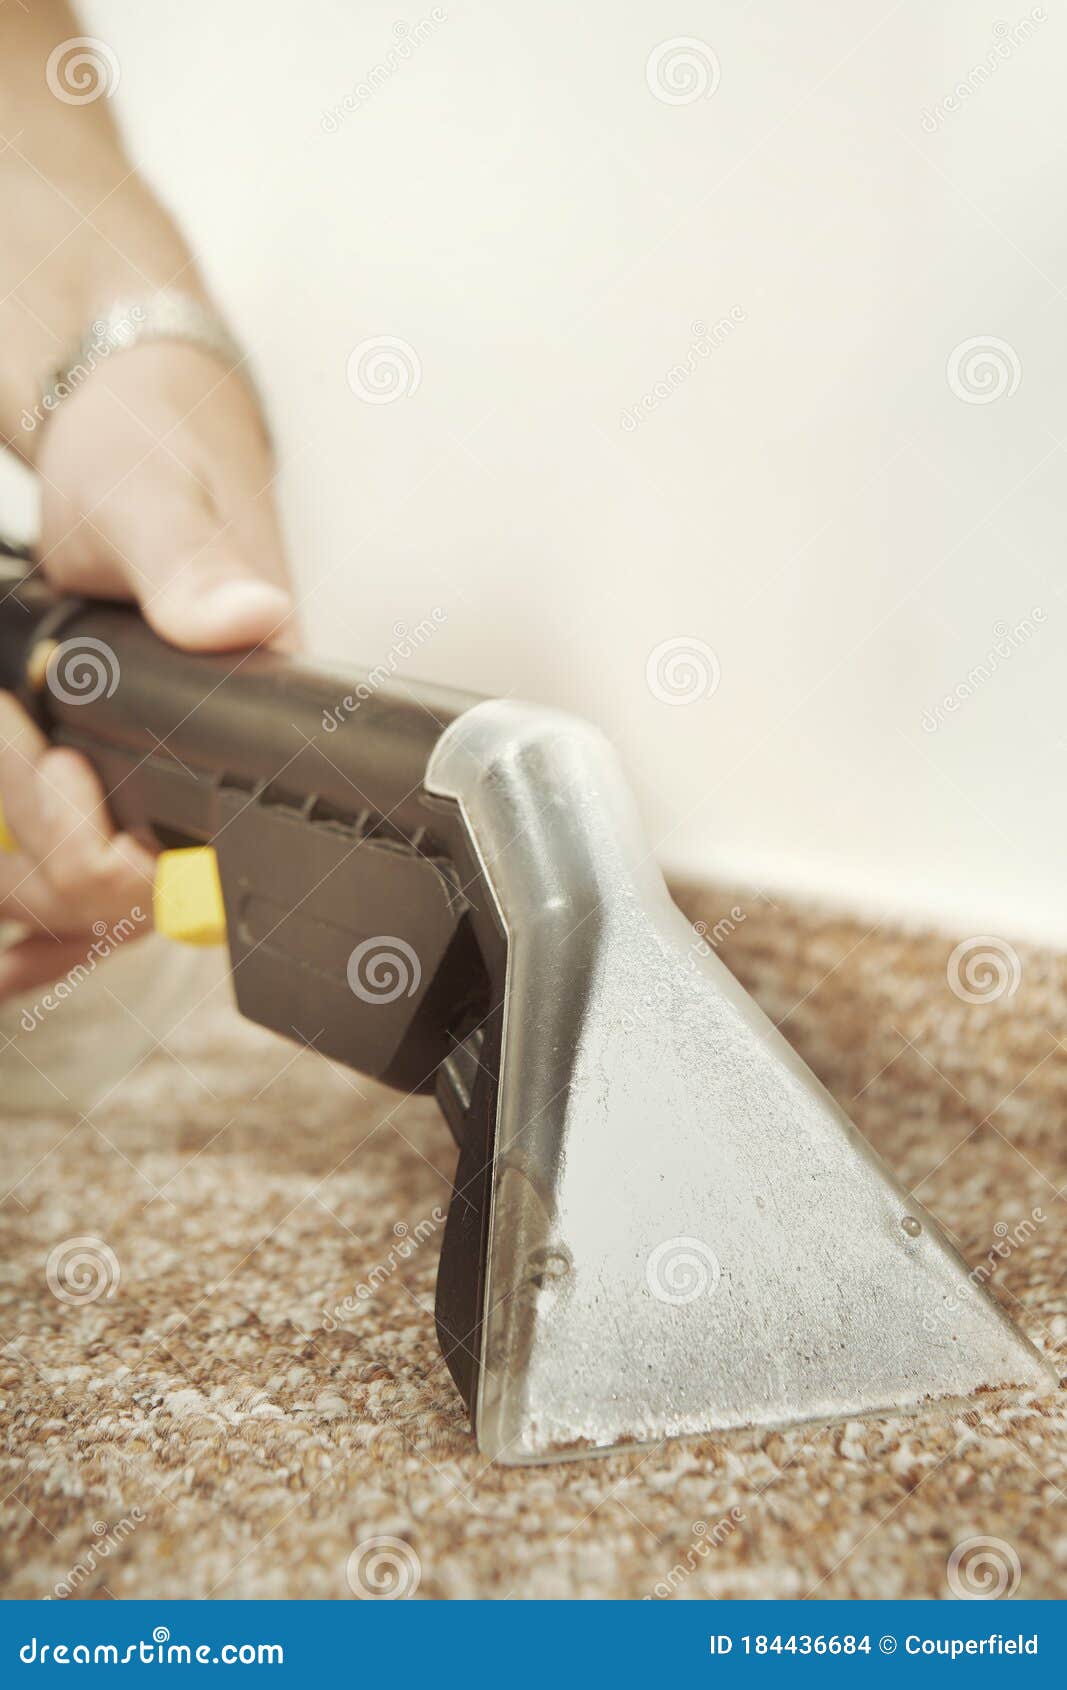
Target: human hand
157,485
156,481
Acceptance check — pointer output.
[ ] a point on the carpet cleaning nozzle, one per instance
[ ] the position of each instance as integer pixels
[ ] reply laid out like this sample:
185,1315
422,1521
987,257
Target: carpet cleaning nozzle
662,1224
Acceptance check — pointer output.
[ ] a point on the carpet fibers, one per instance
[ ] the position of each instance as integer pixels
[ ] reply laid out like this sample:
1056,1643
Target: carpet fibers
232,1387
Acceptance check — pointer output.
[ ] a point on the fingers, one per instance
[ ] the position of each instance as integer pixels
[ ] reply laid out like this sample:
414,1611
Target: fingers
164,544
39,960
71,869
226,614
185,567
157,485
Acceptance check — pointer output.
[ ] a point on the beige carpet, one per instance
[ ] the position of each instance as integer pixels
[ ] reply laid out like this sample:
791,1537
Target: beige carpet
261,1392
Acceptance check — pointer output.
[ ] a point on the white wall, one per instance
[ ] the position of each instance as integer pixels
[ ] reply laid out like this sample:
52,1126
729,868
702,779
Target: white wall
815,503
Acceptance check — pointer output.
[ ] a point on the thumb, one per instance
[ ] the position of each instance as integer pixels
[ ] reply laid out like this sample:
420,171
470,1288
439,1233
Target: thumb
212,600
199,583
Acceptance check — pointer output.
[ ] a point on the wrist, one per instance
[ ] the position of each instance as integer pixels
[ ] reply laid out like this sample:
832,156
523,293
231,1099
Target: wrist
68,264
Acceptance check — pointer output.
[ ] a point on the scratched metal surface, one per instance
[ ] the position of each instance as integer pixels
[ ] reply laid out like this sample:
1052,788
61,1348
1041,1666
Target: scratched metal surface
688,1234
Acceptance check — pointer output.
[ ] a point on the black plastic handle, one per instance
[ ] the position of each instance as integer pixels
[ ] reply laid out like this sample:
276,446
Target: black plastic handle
309,784
132,702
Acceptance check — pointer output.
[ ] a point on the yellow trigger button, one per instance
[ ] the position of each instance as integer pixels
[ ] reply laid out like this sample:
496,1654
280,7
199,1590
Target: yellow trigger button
187,897
8,842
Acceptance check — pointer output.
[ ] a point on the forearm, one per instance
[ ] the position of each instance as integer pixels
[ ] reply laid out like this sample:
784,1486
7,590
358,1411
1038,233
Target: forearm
80,228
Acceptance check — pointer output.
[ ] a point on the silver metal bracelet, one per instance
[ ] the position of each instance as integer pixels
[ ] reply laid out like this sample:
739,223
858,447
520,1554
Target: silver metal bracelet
128,323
